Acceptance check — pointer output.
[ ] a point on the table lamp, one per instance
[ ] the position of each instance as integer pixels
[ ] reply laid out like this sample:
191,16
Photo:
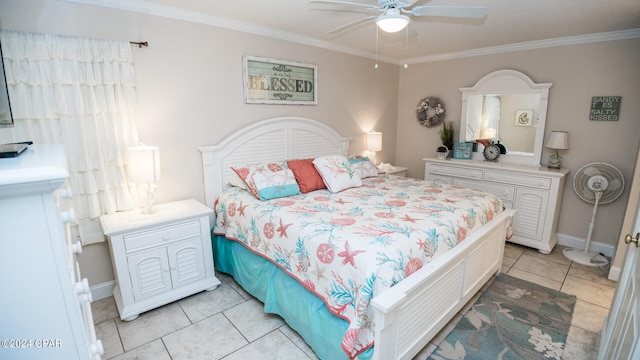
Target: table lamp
374,143
144,168
559,140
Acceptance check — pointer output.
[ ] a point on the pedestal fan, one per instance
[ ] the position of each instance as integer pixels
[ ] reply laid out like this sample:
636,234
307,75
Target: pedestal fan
597,183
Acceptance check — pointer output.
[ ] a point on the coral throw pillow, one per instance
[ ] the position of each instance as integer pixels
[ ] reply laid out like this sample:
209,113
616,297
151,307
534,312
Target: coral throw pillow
306,175
337,173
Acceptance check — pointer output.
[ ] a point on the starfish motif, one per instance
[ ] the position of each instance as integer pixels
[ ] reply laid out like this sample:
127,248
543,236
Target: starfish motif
241,209
349,255
409,219
282,229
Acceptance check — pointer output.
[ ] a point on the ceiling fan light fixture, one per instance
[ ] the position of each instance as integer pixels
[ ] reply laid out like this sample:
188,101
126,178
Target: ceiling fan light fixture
392,23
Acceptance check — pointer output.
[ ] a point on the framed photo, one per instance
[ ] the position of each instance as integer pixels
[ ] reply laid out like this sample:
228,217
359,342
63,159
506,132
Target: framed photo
463,150
269,81
524,117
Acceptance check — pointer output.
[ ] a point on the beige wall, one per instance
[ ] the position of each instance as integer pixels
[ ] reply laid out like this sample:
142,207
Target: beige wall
577,72
189,87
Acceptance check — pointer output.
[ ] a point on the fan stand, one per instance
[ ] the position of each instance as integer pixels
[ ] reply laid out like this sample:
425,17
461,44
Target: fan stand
585,257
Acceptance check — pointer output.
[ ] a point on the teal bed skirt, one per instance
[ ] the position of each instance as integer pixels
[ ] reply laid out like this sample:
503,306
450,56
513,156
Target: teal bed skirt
284,296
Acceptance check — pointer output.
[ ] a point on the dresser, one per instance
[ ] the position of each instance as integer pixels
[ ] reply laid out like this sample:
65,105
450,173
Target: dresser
159,257
45,306
534,191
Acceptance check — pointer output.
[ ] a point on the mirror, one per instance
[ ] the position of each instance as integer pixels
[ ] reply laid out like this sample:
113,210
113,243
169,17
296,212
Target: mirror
508,106
6,119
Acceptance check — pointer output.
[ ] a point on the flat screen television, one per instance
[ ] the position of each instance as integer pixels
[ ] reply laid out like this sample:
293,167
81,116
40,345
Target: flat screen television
6,117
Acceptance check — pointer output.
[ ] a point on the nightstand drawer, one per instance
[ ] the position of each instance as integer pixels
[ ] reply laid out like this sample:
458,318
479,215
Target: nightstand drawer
159,236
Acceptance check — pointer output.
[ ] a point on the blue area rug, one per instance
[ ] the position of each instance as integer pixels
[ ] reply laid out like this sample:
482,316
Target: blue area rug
512,319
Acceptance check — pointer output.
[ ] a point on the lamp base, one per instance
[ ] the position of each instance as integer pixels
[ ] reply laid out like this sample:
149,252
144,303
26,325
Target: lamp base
149,199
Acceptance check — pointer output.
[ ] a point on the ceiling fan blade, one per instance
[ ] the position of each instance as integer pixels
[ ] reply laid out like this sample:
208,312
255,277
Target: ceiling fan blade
345,3
353,23
450,11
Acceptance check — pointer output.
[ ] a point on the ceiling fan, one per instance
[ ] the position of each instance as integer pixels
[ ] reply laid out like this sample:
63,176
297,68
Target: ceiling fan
394,15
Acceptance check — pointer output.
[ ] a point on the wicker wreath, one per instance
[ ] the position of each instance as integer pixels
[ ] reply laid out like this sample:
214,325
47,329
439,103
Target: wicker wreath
430,112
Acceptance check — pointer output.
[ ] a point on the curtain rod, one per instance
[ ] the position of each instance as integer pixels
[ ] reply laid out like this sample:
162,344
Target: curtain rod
140,44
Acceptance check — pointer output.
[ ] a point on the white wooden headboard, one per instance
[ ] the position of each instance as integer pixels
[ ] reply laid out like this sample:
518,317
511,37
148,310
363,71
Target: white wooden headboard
274,139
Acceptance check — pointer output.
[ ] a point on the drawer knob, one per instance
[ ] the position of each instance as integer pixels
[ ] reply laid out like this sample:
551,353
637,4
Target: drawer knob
66,193
76,248
68,217
97,348
82,287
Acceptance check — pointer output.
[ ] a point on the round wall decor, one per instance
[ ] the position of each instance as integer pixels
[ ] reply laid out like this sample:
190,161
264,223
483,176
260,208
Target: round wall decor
430,112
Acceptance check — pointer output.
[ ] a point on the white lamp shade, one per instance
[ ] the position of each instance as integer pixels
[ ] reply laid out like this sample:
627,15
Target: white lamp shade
374,141
391,22
558,140
144,164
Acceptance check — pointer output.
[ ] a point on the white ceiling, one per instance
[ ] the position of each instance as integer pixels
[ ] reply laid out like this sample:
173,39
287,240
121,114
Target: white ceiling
509,24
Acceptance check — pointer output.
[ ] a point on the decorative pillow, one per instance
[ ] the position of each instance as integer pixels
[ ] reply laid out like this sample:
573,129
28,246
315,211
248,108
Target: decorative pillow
275,184
337,173
307,176
246,172
364,167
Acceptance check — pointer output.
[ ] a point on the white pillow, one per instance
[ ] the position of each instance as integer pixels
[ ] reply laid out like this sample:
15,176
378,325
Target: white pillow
275,184
337,173
364,167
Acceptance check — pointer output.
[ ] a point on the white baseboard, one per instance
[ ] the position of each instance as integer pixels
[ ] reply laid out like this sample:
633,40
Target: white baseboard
102,291
614,273
579,243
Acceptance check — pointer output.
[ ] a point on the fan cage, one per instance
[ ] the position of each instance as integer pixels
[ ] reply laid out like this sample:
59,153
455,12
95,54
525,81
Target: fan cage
611,173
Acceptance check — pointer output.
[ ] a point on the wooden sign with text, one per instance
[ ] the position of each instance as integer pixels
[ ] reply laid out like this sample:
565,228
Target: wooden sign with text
605,108
268,81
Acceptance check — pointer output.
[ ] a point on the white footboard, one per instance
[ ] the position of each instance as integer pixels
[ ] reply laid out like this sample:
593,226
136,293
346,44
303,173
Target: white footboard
412,312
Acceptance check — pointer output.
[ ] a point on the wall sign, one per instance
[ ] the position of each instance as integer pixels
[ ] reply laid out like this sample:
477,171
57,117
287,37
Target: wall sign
268,81
605,108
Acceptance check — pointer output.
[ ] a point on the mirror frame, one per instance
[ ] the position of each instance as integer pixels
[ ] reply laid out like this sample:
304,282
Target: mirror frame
509,82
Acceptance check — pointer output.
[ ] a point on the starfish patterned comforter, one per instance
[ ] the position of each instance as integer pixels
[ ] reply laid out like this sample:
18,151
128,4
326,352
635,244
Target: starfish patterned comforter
350,246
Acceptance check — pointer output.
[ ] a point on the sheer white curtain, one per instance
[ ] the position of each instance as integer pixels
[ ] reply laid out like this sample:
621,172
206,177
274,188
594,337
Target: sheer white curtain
79,92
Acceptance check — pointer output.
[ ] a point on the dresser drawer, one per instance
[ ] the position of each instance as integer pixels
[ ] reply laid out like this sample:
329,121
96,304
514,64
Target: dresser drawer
161,235
504,192
472,174
515,179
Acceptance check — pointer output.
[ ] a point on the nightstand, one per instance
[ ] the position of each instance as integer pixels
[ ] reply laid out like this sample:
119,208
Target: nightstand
395,170
160,257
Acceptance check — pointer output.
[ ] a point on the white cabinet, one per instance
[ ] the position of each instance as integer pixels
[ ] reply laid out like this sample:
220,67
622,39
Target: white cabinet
534,191
45,306
160,257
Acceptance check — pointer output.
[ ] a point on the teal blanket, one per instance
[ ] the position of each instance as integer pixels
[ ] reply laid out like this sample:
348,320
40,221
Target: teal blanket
284,296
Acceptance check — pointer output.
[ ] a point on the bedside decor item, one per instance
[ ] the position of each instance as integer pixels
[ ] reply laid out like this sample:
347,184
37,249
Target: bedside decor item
463,150
559,140
596,183
144,168
430,112
374,143
446,134
491,152
442,152
524,117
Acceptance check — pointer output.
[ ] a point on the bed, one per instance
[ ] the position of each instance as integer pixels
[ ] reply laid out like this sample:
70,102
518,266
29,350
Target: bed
395,311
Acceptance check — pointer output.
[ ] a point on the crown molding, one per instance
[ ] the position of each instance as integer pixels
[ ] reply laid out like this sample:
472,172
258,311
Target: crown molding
172,12
155,9
529,45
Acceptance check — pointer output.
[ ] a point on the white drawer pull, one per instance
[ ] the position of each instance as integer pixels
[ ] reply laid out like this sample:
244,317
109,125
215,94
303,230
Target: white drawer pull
68,217
97,348
66,193
76,248
82,287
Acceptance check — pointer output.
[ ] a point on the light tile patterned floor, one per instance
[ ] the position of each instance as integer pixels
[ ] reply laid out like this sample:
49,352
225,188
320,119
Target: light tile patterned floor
229,324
